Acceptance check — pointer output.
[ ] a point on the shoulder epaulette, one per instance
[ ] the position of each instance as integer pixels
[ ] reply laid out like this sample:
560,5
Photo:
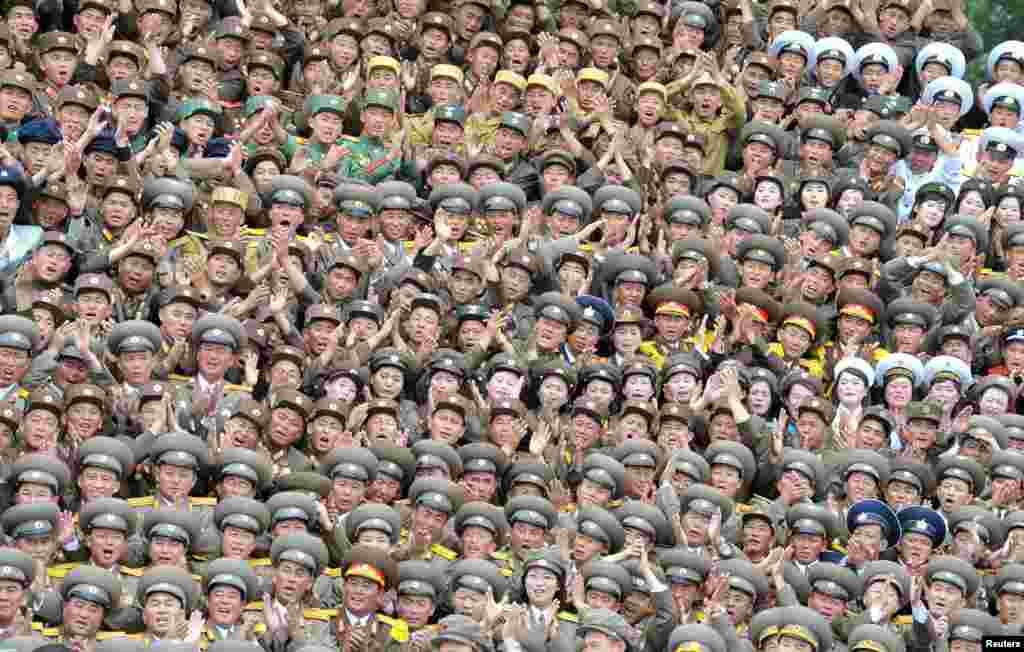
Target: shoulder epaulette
37,627
23,393
198,578
502,555
237,388
180,379
970,132
742,508
141,501
254,606
320,614
332,572
134,572
614,504
399,628
260,562
106,636
568,617
203,501
60,570
903,620
466,245
51,632
441,551
409,246
351,139
507,572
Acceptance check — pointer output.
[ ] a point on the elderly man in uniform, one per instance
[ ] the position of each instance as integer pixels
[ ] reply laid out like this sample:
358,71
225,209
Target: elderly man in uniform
198,402
228,585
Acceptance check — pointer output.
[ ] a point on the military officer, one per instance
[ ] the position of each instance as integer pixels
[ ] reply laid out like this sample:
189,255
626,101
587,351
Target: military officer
470,582
179,460
218,340
811,529
482,530
972,626
166,596
421,589
241,472
82,591
108,524
241,523
228,585
17,572
373,524
351,471
368,158
18,336
433,501
165,538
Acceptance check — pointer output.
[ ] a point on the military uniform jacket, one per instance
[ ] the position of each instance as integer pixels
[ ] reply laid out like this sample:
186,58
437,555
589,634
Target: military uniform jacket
896,277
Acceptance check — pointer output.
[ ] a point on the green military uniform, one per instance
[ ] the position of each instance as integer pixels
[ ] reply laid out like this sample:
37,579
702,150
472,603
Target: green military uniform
310,553
369,158
491,519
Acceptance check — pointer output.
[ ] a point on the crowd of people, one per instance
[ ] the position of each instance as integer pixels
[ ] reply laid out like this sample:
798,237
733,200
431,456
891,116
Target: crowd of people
473,326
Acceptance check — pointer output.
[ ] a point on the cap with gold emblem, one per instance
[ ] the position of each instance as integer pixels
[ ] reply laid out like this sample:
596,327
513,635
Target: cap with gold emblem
243,513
